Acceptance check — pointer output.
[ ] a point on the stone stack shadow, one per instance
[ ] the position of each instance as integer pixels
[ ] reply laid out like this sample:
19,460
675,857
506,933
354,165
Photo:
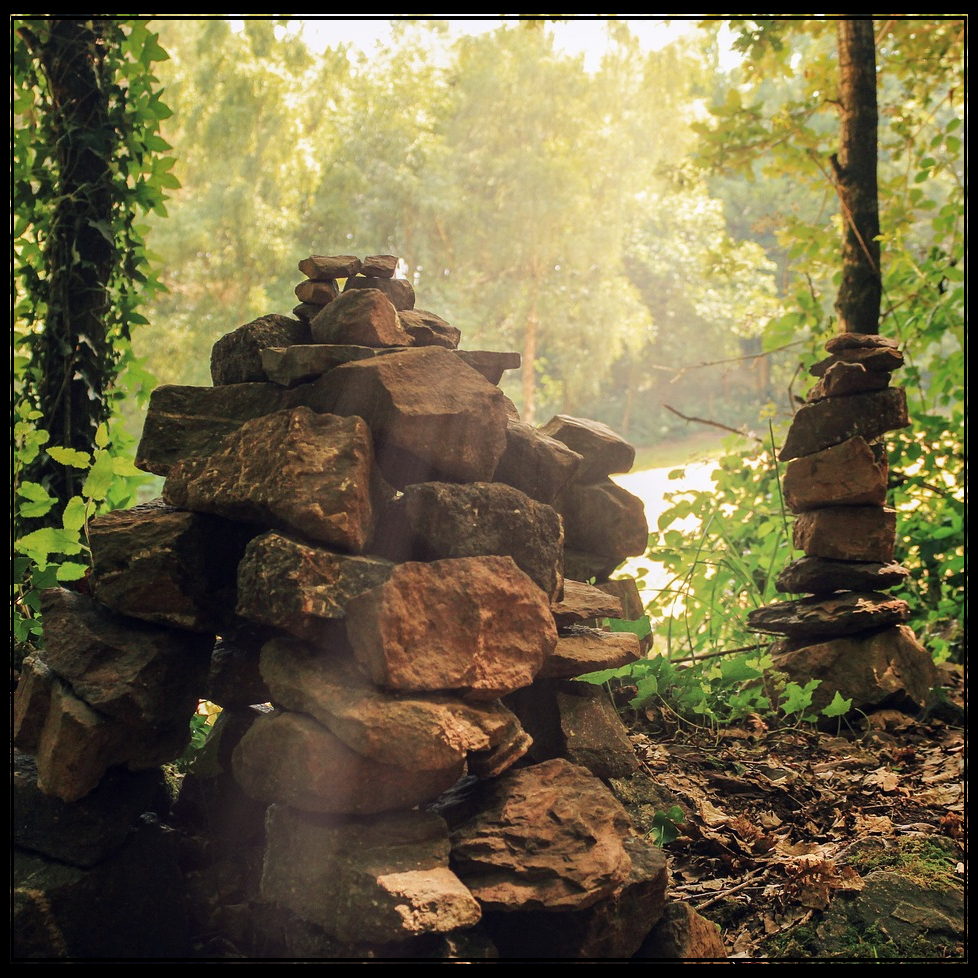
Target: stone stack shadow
359,555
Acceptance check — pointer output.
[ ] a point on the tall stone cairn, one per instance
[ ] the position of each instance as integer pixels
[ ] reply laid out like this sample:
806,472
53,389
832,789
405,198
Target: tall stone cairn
359,554
847,632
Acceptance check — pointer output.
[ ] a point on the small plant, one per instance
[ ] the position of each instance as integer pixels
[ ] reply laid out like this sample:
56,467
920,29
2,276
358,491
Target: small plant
666,826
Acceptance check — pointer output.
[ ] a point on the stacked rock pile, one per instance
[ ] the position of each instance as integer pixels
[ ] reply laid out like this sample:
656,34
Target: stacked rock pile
847,632
357,531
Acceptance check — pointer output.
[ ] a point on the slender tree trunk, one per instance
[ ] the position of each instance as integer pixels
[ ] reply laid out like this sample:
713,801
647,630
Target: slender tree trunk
530,352
73,353
858,302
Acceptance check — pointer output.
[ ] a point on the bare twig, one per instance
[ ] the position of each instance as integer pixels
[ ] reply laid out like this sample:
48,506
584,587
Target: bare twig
742,885
715,424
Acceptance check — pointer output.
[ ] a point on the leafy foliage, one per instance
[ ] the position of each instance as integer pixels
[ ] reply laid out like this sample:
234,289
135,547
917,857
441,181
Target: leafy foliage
88,159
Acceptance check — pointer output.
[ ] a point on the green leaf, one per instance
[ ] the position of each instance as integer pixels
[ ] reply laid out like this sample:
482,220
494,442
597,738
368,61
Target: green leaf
102,435
71,570
666,826
70,456
799,698
100,477
839,706
640,626
41,544
74,515
40,500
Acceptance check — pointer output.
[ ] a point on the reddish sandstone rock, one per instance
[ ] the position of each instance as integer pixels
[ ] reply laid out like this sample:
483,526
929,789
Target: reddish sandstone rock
167,566
398,290
475,624
292,758
858,533
584,602
887,669
376,880
295,586
364,317
604,451
592,732
828,616
432,417
427,329
419,732
435,520
236,356
379,266
684,935
843,475
534,463
836,419
547,837
320,293
292,365
324,267
818,575
603,519
842,379
613,928
491,365
315,476
581,650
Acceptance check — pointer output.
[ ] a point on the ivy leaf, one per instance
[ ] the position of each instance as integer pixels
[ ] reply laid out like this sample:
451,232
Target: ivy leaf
799,698
839,706
100,477
70,456
639,626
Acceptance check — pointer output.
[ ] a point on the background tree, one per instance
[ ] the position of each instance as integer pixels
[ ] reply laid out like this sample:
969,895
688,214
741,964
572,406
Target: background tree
87,158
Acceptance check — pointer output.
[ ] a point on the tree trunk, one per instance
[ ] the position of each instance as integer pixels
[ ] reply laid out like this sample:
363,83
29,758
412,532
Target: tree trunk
530,352
858,302
74,358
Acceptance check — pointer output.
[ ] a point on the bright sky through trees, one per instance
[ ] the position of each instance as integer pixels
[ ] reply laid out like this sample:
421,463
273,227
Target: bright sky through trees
577,35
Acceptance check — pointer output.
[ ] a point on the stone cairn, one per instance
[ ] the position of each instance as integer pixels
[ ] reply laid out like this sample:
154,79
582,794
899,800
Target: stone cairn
847,633
357,533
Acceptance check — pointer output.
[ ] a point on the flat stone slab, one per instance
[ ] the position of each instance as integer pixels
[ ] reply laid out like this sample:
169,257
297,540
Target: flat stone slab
581,650
236,356
584,602
380,880
324,267
604,451
291,758
491,365
292,585
842,379
321,292
834,420
848,474
858,533
292,365
547,837
859,341
478,625
315,476
844,613
819,575
418,732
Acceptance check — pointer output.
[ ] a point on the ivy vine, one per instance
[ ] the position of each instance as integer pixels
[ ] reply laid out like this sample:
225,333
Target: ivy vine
88,160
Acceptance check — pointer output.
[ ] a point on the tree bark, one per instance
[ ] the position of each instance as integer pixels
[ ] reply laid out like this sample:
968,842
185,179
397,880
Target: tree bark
73,352
858,301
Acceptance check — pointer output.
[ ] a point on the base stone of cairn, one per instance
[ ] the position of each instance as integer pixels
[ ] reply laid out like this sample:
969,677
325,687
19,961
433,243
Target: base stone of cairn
846,633
359,553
